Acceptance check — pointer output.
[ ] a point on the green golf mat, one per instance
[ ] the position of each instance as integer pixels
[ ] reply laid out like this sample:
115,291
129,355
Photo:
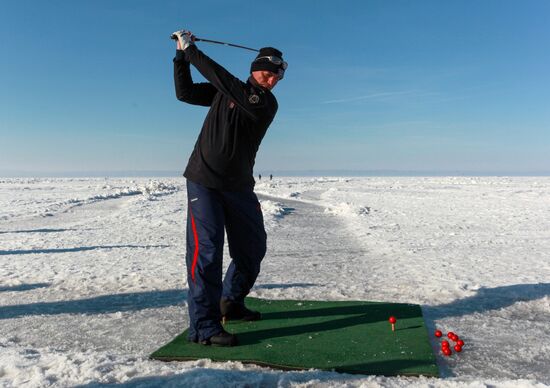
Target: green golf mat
349,337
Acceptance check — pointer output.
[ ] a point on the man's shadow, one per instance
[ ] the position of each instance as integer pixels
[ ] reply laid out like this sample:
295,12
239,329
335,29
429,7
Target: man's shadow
103,304
487,299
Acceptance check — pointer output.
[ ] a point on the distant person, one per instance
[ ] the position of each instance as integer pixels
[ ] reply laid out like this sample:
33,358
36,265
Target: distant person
220,185
270,177
259,177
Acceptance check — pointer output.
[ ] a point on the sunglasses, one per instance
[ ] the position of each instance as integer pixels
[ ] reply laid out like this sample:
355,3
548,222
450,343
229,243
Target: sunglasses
275,60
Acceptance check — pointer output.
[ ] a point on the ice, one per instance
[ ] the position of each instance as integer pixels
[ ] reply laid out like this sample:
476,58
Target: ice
92,274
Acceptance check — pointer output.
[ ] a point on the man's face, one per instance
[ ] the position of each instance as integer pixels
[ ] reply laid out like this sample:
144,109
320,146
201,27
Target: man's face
265,78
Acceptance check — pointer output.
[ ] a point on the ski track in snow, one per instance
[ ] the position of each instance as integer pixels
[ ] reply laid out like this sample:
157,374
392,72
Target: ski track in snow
92,275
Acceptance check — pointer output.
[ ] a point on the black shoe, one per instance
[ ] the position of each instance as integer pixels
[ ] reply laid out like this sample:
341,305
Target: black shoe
223,338
235,311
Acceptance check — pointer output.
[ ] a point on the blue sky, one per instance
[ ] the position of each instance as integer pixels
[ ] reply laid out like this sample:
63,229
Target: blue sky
371,85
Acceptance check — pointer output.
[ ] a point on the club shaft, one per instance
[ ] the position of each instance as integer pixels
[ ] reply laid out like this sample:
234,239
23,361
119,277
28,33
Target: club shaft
218,42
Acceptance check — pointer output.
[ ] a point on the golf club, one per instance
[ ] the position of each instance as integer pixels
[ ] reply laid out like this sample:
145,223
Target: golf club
174,37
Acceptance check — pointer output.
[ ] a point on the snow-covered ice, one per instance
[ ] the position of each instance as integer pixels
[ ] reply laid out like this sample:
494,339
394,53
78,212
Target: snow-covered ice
92,275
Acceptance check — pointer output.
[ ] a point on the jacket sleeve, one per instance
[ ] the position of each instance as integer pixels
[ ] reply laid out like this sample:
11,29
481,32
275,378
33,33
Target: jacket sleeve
222,80
193,93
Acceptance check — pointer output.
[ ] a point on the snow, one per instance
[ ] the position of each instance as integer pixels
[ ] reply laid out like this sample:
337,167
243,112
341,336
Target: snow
92,275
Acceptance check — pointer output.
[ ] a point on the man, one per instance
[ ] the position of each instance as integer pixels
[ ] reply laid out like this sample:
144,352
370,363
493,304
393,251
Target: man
220,185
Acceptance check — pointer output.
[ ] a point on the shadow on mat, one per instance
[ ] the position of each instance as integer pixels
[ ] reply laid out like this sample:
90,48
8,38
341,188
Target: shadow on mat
381,311
99,305
487,299
361,315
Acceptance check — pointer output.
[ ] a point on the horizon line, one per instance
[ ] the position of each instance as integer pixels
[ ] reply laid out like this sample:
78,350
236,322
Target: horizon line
267,172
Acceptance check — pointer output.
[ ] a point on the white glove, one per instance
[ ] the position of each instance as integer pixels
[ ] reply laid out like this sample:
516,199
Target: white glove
185,39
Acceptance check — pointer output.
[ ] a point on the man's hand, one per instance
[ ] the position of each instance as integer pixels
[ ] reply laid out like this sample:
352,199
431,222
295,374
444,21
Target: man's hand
185,39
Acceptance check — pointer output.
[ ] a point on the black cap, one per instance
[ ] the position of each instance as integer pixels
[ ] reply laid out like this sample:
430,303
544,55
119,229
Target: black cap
264,63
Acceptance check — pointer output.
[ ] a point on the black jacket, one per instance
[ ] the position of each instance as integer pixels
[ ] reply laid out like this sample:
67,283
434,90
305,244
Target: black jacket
239,115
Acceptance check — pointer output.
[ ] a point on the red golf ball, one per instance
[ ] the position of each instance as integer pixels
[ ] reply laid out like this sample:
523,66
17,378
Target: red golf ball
460,342
445,344
438,333
450,335
392,320
458,348
447,352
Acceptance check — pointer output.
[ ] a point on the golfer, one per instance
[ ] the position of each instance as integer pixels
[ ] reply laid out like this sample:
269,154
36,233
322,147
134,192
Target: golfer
220,185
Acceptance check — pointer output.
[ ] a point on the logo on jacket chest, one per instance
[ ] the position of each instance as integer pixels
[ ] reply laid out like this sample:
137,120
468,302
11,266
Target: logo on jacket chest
253,99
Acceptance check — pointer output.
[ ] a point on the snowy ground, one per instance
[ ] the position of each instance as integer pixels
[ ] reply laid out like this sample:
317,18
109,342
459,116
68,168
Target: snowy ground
92,275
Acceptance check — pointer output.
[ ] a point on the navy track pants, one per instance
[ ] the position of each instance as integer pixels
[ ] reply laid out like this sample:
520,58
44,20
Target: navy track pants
210,211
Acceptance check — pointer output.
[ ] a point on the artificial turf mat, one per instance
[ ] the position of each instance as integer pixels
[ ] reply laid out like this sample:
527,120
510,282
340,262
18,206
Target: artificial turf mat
350,337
